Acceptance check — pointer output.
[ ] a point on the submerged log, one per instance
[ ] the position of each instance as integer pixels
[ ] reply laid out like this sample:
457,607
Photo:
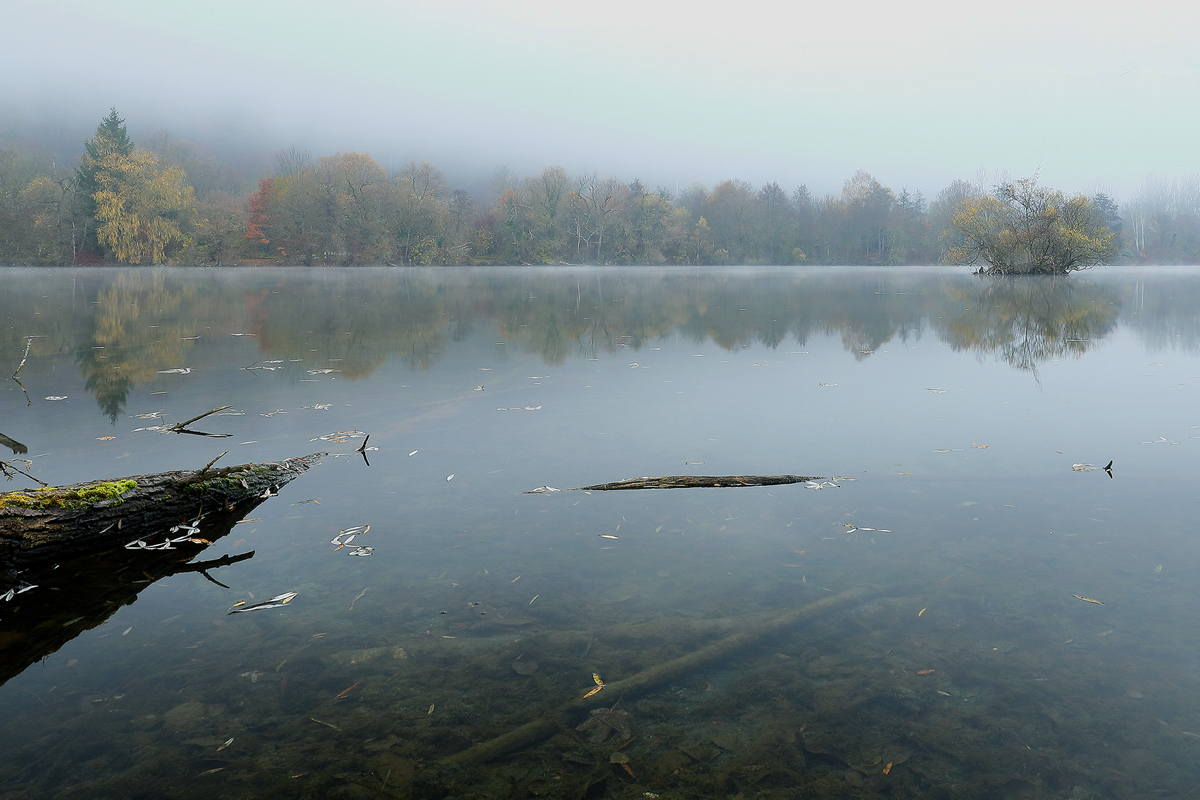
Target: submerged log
699,481
54,523
565,715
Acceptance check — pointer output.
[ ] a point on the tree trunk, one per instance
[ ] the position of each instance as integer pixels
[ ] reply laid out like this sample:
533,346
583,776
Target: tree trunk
38,525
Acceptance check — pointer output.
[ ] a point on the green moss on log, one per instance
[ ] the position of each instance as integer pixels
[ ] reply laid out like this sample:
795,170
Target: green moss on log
51,497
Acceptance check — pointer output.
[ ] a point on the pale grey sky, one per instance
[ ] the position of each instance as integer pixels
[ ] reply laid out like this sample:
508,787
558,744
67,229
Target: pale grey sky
1095,96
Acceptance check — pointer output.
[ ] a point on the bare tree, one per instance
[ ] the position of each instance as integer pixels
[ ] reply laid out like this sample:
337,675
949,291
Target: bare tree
593,202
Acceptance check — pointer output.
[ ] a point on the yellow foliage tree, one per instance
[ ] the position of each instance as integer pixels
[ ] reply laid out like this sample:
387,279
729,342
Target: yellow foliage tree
141,205
1025,229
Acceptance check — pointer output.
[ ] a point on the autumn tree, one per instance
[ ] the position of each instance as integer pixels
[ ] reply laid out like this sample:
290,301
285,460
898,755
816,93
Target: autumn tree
547,194
258,221
354,199
36,204
459,205
912,241
944,207
512,227
49,237
111,139
1021,228
805,211
730,213
295,222
776,231
702,250
643,220
420,216
217,235
141,206
869,213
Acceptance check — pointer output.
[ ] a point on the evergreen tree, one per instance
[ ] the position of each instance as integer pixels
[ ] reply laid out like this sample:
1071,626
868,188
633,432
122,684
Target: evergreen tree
111,137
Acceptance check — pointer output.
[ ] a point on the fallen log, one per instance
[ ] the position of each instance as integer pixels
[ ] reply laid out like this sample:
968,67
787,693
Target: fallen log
56,523
70,556
689,482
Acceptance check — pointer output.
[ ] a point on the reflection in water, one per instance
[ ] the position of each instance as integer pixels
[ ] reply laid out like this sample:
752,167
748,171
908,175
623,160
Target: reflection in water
129,326
14,445
60,573
1026,322
136,330
964,666
51,605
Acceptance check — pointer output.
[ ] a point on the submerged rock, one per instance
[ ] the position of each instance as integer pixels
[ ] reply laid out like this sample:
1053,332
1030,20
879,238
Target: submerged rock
524,666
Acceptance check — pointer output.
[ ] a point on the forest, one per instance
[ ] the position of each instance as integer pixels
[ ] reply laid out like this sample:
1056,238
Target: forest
168,201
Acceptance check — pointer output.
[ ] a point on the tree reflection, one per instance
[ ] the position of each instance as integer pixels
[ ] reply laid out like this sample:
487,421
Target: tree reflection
1029,319
124,328
136,330
1164,312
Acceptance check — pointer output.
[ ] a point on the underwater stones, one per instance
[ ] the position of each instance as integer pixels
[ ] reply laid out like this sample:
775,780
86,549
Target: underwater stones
604,722
185,715
524,666
821,667
363,655
400,771
906,699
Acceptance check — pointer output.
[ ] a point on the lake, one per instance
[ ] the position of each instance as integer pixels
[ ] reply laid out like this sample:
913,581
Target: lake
959,601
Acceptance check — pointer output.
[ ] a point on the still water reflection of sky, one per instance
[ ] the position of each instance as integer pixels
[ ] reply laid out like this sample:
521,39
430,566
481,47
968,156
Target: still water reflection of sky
953,409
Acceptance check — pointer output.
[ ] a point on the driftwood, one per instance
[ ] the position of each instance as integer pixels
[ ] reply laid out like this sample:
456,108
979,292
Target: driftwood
634,685
699,481
55,523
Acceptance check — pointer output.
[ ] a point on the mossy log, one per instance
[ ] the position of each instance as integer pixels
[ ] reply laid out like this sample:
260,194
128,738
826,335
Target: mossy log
54,523
634,685
699,481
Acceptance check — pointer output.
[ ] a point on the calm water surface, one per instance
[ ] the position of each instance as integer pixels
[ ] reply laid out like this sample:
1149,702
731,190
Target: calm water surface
961,427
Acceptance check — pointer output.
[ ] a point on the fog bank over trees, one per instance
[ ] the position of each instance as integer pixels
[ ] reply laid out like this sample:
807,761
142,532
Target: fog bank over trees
156,198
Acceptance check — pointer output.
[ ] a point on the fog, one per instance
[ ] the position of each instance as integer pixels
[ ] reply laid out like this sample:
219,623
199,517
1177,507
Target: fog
1090,98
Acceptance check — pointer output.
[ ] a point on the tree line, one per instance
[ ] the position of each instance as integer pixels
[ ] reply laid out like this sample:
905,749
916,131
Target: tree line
164,202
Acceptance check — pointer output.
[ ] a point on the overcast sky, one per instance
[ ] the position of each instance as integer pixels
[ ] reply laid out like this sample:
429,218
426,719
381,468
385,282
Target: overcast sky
1094,95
